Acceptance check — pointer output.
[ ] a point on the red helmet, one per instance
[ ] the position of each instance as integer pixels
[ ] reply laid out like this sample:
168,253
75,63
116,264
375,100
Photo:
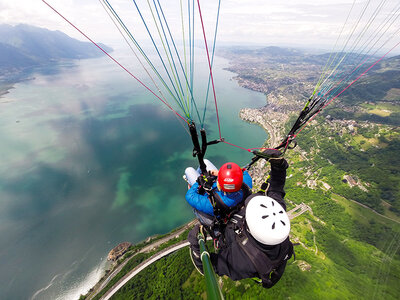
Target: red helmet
230,177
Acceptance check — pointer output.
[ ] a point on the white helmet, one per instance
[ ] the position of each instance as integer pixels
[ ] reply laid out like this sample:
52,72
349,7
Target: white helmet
267,221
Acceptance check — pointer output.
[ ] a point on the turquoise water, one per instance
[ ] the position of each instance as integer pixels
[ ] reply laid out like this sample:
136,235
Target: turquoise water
90,159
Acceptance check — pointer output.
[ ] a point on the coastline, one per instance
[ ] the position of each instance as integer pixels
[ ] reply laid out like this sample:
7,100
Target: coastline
8,80
267,119
149,246
271,117
256,116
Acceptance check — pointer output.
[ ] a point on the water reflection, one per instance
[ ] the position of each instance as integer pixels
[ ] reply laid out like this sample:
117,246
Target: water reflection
89,161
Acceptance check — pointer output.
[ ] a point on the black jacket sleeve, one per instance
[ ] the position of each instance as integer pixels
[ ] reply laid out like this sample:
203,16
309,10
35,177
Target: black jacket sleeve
277,182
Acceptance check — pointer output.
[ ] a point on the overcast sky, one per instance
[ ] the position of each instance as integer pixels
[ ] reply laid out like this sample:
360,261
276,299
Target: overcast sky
312,23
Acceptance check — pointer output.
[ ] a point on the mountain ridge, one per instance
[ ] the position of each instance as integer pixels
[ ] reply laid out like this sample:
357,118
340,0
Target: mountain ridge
24,46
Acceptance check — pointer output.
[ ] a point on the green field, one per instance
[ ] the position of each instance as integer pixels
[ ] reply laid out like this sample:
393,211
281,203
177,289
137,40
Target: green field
381,109
363,214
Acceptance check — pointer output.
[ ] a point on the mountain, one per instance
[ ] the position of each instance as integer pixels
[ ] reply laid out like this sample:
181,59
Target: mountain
376,96
24,46
11,57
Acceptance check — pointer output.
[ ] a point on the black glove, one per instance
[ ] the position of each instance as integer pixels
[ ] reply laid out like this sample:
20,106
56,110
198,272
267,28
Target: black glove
272,153
205,183
275,157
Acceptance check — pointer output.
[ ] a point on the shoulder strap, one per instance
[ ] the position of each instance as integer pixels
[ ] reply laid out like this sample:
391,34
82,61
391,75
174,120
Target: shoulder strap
260,260
219,206
246,191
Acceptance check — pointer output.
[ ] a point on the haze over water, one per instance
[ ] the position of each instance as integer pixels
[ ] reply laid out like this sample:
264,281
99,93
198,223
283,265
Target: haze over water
90,159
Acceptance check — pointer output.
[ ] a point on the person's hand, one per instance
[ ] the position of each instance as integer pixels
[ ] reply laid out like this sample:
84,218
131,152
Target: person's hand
275,157
214,172
273,153
203,232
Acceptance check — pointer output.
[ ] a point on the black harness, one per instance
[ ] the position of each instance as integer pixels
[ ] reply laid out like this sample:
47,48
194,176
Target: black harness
223,211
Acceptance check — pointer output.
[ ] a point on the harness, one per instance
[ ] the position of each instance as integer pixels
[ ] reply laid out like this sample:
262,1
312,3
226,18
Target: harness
220,209
222,213
270,271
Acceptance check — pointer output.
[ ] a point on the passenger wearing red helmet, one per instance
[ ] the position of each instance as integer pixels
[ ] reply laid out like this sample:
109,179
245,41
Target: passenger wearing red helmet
232,186
230,177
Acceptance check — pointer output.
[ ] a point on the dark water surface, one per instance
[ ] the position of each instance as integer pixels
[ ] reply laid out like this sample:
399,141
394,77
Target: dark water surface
90,159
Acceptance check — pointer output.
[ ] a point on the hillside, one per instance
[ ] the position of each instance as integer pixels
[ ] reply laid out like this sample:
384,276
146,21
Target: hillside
360,132
376,98
25,46
345,250
345,169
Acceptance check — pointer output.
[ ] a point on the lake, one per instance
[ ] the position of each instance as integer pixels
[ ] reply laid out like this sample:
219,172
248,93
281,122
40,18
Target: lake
91,159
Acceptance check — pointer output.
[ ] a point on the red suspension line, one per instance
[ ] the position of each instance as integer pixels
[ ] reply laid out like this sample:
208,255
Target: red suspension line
344,76
211,74
248,150
113,59
347,87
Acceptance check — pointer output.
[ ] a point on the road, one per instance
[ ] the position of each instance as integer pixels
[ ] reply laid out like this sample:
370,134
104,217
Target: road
303,208
369,208
148,248
292,214
141,267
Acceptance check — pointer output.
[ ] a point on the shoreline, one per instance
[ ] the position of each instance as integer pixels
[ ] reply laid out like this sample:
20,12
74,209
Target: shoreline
147,246
256,116
272,117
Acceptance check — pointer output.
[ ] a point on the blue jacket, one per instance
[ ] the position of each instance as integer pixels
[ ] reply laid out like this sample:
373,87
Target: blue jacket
203,204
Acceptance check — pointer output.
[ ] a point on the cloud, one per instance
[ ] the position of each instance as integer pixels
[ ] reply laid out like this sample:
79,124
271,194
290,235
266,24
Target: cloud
307,22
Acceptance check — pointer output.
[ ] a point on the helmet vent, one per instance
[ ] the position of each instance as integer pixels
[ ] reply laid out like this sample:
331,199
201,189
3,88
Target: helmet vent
283,223
273,226
272,203
229,167
281,212
265,216
262,205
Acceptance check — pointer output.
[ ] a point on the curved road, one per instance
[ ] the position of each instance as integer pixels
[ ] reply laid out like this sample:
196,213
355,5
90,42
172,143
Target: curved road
145,249
141,267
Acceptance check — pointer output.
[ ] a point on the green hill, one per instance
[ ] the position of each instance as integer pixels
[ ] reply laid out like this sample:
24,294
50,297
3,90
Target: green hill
376,96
